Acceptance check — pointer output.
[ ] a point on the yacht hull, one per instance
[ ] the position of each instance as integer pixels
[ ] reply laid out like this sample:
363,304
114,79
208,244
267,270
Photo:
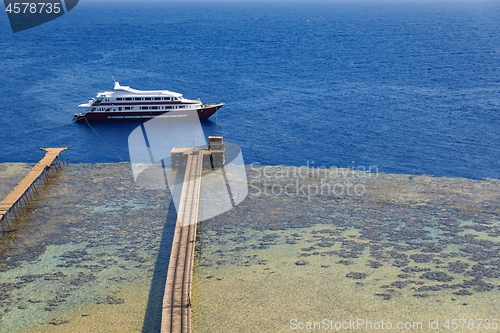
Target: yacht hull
203,113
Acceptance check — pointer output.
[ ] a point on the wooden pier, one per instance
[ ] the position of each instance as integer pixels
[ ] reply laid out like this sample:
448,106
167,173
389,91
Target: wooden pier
12,206
176,309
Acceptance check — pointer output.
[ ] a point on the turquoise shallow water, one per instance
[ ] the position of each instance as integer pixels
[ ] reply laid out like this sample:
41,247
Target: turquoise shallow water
408,249
90,254
85,255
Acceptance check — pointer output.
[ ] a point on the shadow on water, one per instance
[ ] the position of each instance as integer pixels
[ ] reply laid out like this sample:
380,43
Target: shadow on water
211,126
152,319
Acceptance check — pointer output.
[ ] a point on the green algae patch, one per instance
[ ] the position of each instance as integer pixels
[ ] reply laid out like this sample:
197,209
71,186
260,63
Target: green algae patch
302,248
83,257
408,250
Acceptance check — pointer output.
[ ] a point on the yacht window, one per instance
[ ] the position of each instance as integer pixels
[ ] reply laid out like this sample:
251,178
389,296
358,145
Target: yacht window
181,107
167,98
144,108
138,98
127,108
128,99
147,98
154,107
119,98
168,107
157,98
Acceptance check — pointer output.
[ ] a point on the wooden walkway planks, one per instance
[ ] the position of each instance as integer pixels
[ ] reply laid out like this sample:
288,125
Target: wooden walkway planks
22,188
176,309
190,195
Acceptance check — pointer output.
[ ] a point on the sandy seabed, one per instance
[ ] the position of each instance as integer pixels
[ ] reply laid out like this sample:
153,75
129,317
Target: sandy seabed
83,256
302,253
306,247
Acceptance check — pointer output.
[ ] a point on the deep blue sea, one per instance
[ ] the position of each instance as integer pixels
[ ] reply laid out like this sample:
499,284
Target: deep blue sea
408,88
